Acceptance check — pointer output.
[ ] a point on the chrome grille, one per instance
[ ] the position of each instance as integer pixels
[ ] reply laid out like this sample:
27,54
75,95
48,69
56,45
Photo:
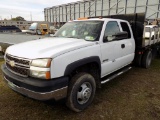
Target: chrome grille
18,70
20,67
21,61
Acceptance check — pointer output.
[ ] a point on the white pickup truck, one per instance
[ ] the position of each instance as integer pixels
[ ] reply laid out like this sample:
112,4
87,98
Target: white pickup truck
81,56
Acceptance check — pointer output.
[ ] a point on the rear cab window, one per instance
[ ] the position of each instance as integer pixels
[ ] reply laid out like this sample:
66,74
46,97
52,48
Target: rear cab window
125,28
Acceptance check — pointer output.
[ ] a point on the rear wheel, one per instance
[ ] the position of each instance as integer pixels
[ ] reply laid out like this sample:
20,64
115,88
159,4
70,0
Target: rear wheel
147,59
158,51
81,92
138,60
154,52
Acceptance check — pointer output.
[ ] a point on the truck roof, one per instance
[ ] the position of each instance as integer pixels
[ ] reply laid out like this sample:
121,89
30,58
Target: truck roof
100,19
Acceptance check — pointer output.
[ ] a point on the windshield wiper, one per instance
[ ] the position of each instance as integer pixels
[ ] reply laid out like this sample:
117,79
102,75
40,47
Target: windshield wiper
54,36
73,37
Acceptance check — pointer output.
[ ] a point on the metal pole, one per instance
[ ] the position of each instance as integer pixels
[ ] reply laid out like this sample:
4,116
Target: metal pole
47,15
146,8
56,15
53,13
102,8
117,7
66,12
125,10
84,8
158,9
70,12
135,6
79,10
50,14
89,8
74,12
44,15
59,15
62,15
109,7
151,15
114,4
95,7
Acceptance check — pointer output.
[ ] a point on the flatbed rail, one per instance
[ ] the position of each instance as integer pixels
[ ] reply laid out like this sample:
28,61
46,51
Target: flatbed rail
148,41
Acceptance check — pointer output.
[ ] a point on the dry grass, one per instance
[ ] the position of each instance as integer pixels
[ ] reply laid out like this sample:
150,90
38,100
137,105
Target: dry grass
134,95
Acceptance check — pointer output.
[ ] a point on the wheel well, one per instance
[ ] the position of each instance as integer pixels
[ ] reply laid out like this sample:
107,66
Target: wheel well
91,68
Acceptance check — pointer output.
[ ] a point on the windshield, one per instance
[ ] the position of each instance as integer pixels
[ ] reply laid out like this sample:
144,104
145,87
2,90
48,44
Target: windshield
33,26
88,30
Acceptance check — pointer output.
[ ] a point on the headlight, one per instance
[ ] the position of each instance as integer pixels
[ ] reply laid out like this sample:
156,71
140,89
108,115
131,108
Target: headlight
41,63
40,68
40,74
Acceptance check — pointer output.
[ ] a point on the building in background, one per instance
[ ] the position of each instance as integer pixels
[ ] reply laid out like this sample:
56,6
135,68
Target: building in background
91,8
23,25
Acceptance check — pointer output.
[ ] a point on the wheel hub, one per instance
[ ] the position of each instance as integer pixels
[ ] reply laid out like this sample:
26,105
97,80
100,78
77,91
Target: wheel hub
84,93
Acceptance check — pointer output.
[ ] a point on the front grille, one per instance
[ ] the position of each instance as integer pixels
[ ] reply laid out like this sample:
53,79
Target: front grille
20,67
18,60
17,70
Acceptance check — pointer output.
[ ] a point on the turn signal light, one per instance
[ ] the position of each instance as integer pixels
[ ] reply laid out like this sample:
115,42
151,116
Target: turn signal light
48,75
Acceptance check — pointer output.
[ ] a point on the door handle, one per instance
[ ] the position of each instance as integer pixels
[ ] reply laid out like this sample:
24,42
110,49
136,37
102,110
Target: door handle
122,46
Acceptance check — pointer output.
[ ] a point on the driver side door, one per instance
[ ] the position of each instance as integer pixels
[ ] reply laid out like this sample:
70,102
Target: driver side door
110,49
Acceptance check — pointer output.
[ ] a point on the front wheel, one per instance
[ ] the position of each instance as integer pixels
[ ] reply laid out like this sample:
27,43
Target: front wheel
81,92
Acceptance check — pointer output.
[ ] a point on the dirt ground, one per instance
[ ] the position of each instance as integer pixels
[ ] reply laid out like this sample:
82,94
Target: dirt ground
134,95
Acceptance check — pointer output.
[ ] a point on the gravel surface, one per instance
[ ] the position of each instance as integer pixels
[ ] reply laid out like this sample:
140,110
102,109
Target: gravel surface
134,95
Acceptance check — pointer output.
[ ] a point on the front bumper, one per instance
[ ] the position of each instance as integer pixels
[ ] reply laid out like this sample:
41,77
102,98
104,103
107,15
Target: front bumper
36,88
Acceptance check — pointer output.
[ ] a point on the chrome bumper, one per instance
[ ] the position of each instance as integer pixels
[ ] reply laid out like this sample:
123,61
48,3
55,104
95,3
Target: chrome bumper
56,94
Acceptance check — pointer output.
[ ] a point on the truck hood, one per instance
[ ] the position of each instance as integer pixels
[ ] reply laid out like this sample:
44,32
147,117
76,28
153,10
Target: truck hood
47,47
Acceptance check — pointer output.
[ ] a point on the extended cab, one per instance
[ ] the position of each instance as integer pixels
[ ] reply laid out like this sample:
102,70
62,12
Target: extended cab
81,56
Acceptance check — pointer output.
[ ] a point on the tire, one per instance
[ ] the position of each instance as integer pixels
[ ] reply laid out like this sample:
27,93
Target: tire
81,92
154,52
147,59
138,60
158,52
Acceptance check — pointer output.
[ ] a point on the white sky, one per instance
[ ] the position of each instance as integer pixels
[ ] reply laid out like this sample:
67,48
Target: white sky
26,8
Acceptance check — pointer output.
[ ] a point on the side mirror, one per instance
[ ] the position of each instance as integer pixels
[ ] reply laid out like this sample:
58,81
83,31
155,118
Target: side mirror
120,36
116,36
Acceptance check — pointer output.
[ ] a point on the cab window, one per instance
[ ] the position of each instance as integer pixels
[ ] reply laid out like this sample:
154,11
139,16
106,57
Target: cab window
125,28
111,29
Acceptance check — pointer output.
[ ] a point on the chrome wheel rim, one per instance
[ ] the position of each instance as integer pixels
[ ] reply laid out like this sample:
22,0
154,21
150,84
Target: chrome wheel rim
84,93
